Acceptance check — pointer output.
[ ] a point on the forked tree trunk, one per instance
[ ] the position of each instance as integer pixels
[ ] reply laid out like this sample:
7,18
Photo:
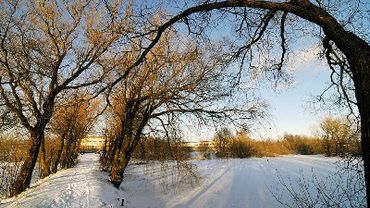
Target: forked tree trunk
116,174
25,175
115,171
119,168
120,164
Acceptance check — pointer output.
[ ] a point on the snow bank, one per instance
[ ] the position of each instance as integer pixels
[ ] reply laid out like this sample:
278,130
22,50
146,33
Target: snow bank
222,183
81,186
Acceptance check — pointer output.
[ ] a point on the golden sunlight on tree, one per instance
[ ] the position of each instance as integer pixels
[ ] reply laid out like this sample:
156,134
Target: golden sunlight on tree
338,137
173,80
147,74
46,48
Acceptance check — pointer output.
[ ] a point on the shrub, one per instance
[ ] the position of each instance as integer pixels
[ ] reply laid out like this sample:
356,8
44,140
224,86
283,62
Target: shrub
228,145
154,148
221,142
303,145
12,154
339,137
241,148
269,148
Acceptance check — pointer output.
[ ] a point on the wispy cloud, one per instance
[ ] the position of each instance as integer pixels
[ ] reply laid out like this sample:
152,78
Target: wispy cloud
301,59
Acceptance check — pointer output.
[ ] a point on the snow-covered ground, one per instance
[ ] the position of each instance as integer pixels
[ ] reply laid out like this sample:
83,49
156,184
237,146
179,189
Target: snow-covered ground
254,182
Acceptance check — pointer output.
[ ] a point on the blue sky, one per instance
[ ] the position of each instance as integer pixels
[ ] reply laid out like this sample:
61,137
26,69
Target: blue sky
290,109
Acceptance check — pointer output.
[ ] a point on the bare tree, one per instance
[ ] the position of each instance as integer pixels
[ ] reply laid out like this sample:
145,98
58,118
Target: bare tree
221,140
39,57
48,47
347,53
174,80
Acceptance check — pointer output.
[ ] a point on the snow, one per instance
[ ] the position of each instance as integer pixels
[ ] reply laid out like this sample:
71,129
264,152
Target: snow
220,183
81,186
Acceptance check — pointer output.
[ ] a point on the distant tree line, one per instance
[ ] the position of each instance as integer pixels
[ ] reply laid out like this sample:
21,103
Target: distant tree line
336,137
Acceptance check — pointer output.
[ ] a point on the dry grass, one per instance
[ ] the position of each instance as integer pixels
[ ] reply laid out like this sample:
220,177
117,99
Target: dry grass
12,154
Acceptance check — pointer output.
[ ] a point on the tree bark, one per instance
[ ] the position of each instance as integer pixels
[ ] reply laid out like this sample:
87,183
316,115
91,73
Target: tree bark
65,154
54,168
120,163
25,175
360,65
44,160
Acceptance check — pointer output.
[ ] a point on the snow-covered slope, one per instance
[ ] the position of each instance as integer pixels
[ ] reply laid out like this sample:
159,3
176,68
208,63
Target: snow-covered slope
81,186
223,183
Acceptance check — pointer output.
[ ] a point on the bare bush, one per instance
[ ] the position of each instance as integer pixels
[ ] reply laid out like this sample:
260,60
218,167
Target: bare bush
241,147
12,155
154,148
343,188
339,138
303,145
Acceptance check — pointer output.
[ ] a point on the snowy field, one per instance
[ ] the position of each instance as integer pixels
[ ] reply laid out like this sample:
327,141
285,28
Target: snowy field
254,182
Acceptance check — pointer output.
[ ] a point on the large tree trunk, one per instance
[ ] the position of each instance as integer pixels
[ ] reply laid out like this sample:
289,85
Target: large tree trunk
360,65
44,160
120,164
365,144
116,176
120,148
357,52
119,168
116,161
25,175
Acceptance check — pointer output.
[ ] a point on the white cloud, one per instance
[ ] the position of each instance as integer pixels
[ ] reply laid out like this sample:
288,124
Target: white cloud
300,60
